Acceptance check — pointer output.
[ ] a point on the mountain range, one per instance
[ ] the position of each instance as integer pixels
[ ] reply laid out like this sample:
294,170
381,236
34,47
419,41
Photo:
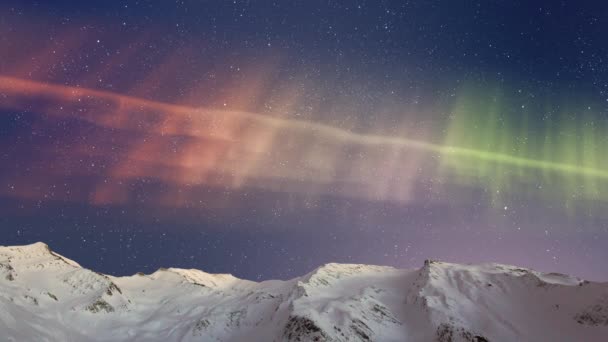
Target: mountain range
47,297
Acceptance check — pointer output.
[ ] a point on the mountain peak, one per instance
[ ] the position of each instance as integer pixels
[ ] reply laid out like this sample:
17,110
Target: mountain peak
35,252
34,248
198,277
329,273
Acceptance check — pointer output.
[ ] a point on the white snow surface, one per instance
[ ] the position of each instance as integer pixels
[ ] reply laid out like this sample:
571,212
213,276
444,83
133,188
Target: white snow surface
47,297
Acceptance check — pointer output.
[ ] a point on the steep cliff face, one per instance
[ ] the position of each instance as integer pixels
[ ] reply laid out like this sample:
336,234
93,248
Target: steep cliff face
44,296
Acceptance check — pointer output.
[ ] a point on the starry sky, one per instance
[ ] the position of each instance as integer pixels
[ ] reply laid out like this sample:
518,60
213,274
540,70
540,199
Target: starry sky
266,138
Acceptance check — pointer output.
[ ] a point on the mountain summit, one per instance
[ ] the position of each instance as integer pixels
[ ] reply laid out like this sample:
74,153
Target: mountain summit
45,296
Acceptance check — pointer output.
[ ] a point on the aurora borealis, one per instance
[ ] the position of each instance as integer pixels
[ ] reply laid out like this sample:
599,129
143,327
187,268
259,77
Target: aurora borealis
233,138
481,147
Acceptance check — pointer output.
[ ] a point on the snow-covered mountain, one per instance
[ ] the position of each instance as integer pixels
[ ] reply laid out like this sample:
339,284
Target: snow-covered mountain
47,297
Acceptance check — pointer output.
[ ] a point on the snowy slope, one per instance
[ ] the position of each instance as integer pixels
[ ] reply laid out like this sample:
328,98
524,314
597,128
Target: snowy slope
46,297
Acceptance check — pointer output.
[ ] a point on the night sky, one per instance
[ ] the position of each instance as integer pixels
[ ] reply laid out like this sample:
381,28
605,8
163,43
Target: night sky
266,138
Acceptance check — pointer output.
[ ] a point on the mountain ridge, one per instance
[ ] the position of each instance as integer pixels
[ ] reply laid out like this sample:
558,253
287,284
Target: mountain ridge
45,296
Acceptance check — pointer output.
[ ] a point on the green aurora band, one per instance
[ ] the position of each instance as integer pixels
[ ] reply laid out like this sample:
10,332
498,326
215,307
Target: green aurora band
496,143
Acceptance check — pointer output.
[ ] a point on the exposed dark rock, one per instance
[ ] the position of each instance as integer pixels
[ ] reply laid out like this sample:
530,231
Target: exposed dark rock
595,316
8,270
111,288
361,330
200,326
449,333
100,305
235,317
383,314
299,328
